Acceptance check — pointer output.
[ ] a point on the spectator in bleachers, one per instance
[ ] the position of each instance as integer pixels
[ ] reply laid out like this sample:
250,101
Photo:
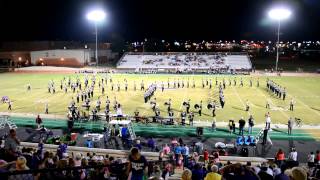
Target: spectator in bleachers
311,159
280,157
177,152
293,155
151,144
138,144
174,142
237,171
265,173
2,150
281,175
213,175
167,171
20,165
180,161
137,165
11,145
166,149
206,156
216,158
317,158
156,173
186,175
62,150
197,172
298,174
27,153
185,153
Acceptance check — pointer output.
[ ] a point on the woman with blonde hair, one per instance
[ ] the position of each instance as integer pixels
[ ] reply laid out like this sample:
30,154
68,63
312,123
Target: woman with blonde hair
186,175
21,164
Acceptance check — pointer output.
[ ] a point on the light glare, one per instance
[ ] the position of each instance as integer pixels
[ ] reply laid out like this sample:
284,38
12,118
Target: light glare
96,15
279,13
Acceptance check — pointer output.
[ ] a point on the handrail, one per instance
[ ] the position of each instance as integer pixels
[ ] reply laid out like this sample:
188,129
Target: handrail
148,155
98,151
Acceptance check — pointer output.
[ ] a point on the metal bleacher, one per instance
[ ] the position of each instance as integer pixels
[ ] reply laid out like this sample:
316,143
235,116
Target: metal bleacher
173,60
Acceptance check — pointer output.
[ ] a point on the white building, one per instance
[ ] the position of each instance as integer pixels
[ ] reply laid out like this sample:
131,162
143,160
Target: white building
62,57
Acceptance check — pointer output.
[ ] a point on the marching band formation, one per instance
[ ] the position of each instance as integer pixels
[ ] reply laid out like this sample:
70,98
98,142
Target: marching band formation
84,92
276,89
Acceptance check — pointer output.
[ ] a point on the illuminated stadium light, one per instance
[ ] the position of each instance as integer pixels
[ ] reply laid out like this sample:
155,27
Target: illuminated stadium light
96,15
279,13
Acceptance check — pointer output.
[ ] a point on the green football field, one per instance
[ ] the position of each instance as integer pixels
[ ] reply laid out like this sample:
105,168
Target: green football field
304,90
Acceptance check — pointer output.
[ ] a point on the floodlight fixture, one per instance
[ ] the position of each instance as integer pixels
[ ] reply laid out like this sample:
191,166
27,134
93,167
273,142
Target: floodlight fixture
279,13
96,15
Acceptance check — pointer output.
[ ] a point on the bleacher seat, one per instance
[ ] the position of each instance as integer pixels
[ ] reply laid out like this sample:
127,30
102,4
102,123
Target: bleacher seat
185,61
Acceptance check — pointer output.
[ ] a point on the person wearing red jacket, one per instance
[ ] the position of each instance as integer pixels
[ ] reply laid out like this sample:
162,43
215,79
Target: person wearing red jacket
206,156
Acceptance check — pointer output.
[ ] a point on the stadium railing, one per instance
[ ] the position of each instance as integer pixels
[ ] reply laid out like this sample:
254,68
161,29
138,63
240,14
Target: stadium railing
98,151
149,155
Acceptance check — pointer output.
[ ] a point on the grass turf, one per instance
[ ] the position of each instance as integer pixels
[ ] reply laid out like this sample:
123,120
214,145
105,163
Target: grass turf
305,90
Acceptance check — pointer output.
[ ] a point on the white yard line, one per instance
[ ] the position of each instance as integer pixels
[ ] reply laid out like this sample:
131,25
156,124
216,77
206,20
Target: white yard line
239,98
305,105
284,114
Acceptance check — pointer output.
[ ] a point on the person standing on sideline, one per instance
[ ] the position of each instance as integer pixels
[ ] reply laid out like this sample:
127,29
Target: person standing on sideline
290,125
268,120
242,123
280,158
311,158
230,125
293,155
251,124
265,135
214,126
39,121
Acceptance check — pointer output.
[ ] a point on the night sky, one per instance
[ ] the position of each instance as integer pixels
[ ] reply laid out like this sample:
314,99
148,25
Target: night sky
159,19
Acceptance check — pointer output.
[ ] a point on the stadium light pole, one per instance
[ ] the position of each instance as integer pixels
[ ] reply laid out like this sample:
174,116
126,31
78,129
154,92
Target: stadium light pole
279,14
96,16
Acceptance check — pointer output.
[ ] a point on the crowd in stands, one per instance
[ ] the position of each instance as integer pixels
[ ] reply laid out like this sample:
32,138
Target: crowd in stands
185,61
195,162
189,60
